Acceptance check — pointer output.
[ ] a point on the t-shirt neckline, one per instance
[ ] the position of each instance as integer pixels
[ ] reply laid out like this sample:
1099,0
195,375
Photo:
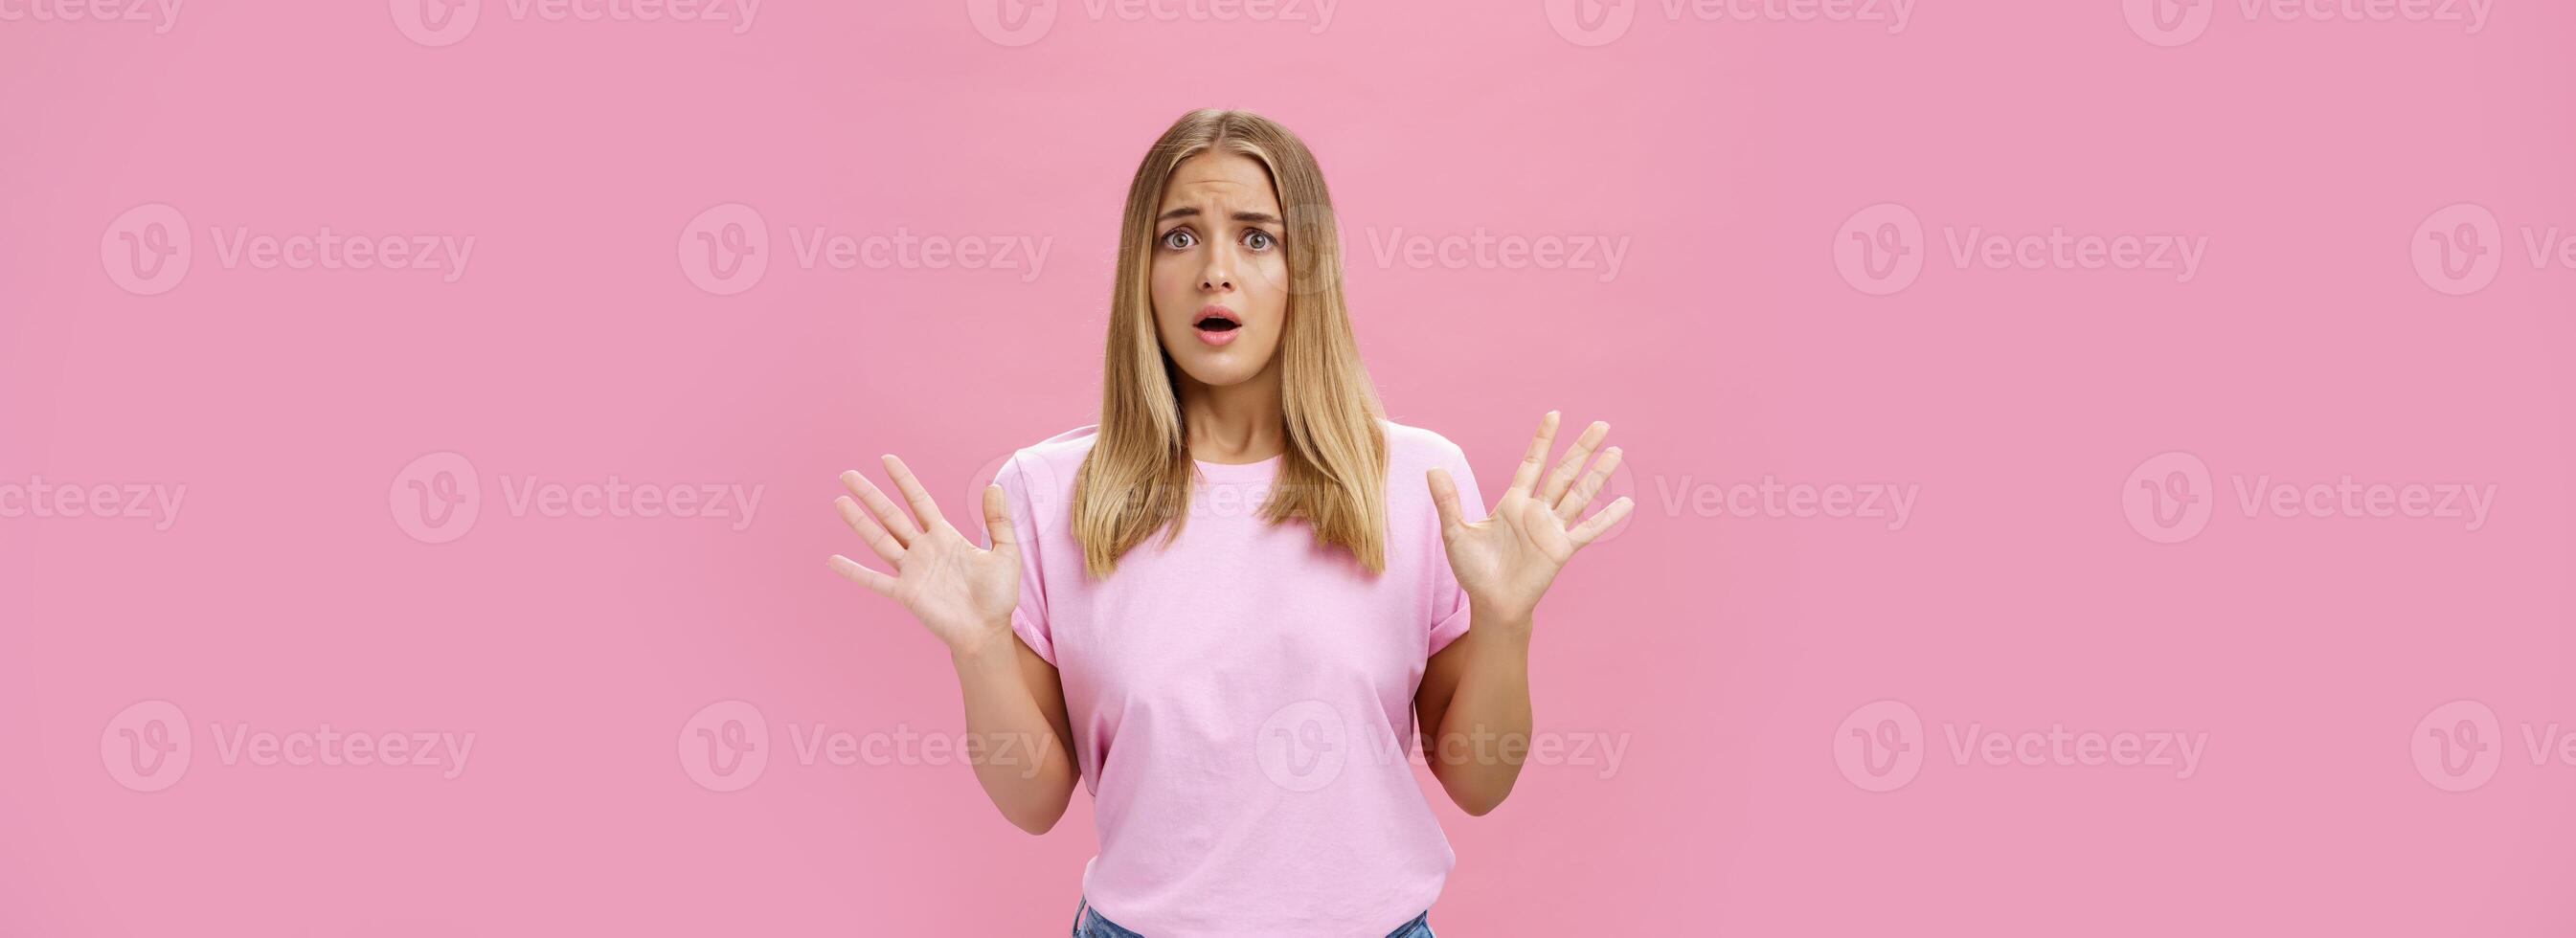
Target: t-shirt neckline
1239,472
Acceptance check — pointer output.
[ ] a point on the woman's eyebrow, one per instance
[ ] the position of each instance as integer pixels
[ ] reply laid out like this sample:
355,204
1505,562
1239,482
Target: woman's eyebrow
1192,211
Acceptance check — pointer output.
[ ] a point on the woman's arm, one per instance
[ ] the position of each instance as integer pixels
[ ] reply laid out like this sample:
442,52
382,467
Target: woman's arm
1474,697
1016,728
1474,704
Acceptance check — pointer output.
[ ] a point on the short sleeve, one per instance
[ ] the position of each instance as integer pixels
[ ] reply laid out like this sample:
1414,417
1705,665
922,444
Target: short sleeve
1029,618
1448,599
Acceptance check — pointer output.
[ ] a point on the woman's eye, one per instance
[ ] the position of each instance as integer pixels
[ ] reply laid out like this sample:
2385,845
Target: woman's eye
1178,238
1258,240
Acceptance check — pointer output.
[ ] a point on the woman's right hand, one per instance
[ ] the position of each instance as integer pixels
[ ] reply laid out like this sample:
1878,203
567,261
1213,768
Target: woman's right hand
964,594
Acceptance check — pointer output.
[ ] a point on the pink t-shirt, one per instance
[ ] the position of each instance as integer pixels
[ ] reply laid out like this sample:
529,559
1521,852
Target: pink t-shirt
1242,701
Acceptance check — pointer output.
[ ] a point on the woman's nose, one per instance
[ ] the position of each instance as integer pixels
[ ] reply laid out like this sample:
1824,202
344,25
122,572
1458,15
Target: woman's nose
1217,275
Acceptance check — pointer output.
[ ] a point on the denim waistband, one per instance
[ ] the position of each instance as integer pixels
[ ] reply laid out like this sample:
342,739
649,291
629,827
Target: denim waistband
1088,923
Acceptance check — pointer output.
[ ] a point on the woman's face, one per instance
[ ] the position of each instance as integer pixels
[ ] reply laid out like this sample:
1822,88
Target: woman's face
1220,273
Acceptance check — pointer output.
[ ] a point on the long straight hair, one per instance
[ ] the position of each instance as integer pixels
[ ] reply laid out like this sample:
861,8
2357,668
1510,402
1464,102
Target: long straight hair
1137,478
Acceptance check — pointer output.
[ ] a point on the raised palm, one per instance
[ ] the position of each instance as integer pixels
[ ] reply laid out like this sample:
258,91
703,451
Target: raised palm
1506,561
964,594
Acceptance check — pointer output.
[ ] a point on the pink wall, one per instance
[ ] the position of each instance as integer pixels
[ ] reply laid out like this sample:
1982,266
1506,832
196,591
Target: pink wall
2262,272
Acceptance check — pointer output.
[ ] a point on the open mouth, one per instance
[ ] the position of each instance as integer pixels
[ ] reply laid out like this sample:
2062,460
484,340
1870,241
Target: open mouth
1217,325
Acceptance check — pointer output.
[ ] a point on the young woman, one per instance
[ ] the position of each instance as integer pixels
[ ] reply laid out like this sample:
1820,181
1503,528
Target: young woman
1239,696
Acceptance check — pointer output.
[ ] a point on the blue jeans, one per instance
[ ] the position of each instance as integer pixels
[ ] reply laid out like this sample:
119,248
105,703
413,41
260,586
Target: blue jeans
1087,923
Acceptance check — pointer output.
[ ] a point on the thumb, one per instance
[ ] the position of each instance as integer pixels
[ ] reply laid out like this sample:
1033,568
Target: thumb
1444,497
997,522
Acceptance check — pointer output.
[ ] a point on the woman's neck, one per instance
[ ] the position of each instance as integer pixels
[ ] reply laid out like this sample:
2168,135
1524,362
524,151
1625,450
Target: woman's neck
1235,423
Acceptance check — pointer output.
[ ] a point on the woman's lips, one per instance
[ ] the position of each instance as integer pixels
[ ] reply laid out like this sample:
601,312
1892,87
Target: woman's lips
1217,325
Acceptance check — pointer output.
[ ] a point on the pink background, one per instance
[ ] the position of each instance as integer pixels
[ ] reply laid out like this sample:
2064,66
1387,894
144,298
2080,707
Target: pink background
1733,650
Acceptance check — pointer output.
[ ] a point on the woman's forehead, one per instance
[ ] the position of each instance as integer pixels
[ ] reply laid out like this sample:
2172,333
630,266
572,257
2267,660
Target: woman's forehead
1228,179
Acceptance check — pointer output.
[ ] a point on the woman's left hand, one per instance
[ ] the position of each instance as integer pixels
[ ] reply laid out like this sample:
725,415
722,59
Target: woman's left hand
1506,561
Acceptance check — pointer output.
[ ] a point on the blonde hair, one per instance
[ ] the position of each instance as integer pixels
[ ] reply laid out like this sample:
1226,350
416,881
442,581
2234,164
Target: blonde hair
1138,475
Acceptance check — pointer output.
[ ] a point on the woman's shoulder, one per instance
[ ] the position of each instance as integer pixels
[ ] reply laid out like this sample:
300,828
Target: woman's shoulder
1408,445
1050,463
1074,443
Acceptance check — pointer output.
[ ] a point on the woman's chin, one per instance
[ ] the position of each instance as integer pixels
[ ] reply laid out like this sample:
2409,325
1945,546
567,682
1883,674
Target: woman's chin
1220,368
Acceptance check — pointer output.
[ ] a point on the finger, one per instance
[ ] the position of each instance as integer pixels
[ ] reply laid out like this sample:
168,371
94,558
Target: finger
1593,526
997,521
1444,497
1572,462
887,548
921,502
1527,474
851,570
897,524
1583,491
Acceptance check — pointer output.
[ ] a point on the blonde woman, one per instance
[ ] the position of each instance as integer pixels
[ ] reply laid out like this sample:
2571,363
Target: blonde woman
1239,695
